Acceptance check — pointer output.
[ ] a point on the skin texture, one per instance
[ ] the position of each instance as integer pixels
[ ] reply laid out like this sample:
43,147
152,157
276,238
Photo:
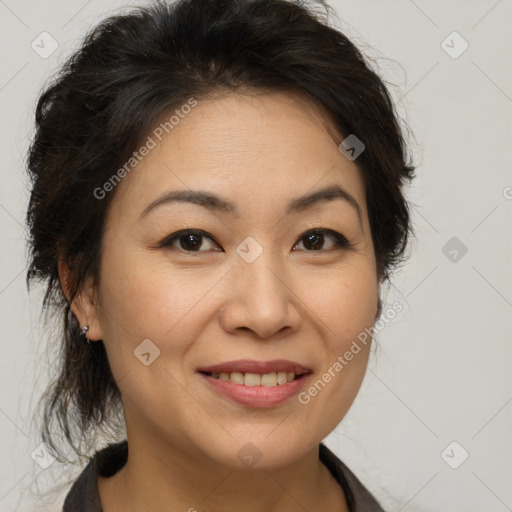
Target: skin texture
204,307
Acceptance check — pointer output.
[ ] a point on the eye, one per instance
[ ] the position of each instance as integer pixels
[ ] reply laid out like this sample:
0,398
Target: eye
188,240
315,239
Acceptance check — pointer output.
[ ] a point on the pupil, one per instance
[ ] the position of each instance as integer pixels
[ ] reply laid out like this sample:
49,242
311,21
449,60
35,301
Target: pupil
318,238
189,239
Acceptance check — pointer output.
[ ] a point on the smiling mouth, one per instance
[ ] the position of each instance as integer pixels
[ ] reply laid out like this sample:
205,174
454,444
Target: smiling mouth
255,383
256,379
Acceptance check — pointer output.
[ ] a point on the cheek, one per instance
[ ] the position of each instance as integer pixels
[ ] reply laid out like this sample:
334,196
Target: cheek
143,296
347,307
146,298
345,301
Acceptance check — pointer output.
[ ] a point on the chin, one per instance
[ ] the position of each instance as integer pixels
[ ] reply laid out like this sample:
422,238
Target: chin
261,451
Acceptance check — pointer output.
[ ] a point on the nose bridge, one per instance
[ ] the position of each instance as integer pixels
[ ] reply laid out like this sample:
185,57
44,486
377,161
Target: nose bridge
260,299
258,269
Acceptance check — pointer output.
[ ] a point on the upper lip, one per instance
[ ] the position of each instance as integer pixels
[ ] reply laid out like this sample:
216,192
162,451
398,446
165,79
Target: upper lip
253,366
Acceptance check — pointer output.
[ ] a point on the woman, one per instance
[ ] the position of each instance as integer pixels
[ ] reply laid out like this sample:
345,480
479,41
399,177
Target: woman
217,198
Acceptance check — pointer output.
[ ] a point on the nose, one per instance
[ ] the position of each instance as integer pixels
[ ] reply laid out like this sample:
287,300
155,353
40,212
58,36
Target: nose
261,299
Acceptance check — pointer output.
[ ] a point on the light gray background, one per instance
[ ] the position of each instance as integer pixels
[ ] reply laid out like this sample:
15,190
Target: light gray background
443,370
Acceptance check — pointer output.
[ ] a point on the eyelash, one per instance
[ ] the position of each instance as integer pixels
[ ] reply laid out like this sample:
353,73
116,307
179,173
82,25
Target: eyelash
340,240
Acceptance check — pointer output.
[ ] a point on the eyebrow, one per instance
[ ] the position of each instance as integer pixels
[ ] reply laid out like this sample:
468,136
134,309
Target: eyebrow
216,203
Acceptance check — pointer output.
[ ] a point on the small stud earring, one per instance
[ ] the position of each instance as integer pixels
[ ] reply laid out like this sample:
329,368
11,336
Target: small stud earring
83,332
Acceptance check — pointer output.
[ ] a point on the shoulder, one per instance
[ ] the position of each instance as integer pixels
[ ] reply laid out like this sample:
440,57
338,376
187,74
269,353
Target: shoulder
359,499
84,495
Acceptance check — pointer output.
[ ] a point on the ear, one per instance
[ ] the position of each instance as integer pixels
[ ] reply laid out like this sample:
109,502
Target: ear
85,305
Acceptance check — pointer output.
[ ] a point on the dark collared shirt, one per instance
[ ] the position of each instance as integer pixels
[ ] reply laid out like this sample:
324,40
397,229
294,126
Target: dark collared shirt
84,496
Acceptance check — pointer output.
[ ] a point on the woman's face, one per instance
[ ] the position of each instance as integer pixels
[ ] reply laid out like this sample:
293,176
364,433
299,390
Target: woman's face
253,286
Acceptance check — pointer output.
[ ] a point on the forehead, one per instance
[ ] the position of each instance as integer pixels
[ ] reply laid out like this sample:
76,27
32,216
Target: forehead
250,147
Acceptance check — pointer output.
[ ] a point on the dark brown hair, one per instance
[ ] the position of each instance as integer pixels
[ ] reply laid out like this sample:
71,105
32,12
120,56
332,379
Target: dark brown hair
129,71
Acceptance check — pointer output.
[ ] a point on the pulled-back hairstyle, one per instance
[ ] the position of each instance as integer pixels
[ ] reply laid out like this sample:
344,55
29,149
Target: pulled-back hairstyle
130,70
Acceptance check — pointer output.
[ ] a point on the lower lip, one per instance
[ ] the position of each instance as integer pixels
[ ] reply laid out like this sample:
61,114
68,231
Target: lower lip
257,396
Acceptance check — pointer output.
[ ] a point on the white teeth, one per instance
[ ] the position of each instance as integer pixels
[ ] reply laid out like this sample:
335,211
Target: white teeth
282,378
269,379
255,379
236,377
252,379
